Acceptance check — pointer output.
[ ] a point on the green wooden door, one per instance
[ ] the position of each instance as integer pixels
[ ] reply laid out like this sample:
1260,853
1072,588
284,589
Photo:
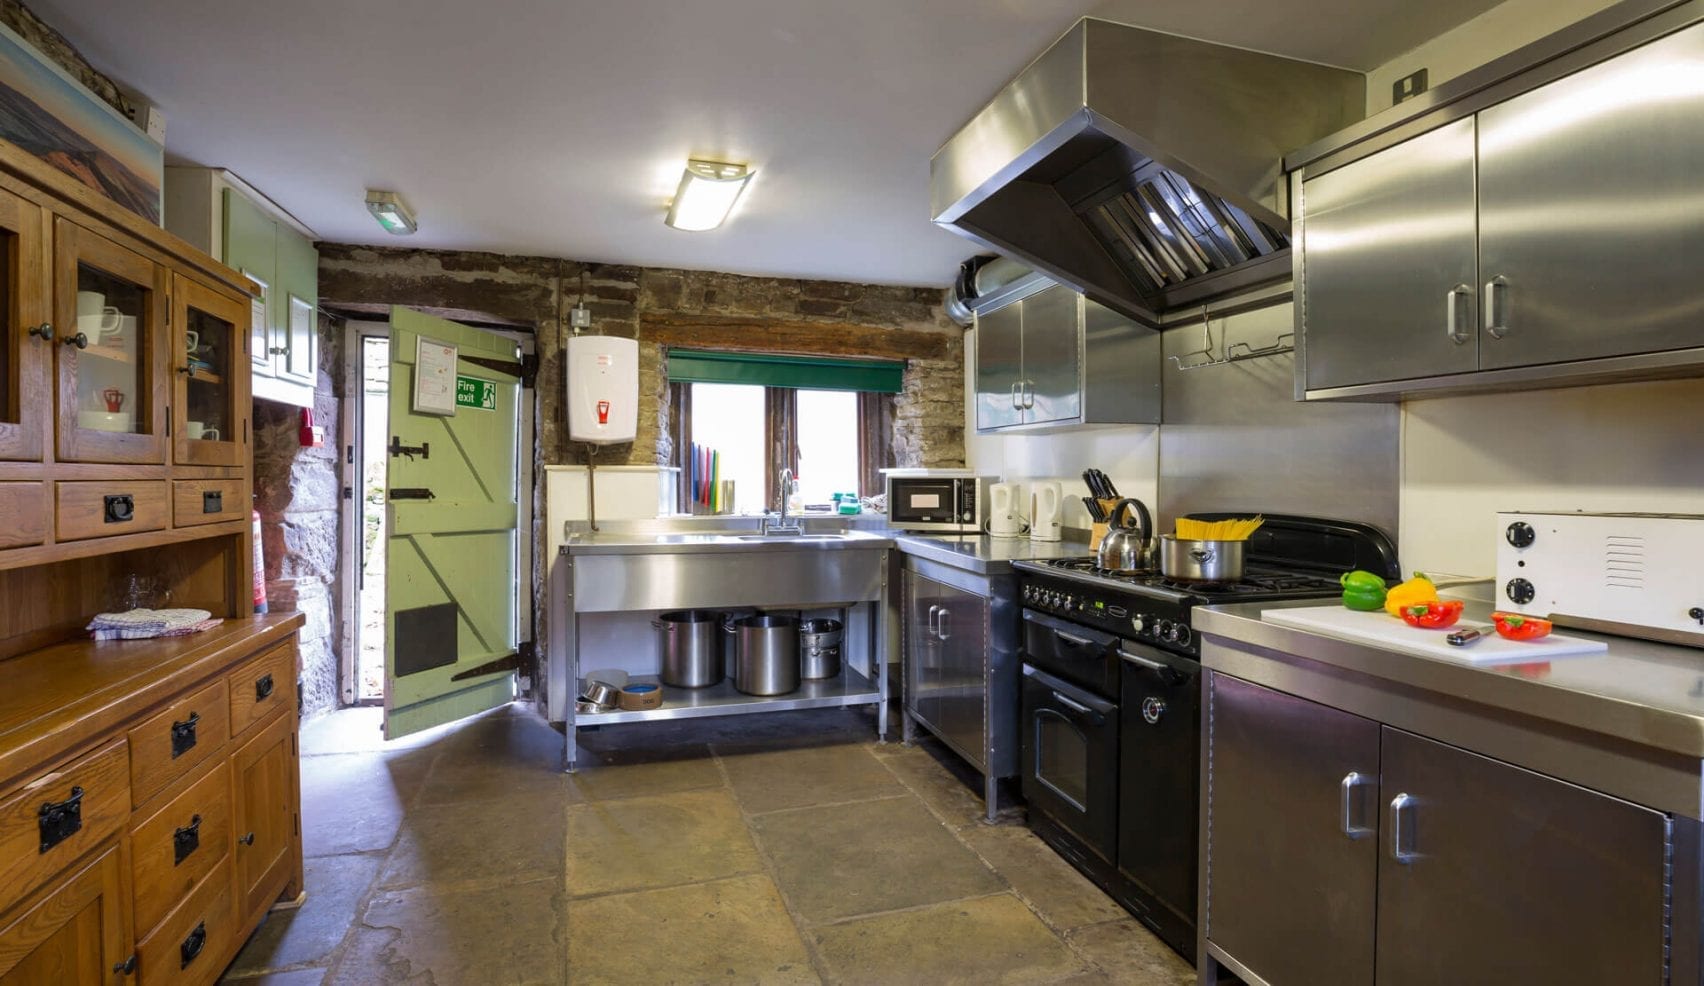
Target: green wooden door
251,246
450,585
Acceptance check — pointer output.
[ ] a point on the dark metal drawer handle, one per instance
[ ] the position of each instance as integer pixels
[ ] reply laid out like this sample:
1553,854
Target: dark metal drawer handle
183,735
192,945
263,687
212,502
117,508
247,840
128,966
186,840
59,820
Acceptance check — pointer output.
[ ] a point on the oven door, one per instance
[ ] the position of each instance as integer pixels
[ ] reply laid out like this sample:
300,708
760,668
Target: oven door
1158,804
1070,759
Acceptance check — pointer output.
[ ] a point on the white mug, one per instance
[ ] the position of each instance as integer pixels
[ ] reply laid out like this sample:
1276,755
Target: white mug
90,303
198,431
104,322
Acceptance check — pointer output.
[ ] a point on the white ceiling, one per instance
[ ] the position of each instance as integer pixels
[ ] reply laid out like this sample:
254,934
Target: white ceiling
556,128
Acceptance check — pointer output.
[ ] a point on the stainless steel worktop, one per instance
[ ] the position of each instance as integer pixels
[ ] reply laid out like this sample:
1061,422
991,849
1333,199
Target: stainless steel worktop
985,555
1647,693
1629,721
698,542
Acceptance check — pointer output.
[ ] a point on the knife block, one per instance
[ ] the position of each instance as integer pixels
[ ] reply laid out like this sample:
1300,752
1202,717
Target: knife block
1098,530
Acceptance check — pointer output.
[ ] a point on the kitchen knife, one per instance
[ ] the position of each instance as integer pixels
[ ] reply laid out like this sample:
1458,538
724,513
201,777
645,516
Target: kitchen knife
1089,481
1466,634
1094,509
1097,483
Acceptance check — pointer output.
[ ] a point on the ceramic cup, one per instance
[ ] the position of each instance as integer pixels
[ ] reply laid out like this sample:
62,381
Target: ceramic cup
192,340
90,303
107,322
198,431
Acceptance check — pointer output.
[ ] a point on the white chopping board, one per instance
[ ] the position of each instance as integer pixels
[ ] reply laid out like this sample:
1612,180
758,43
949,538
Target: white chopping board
1383,630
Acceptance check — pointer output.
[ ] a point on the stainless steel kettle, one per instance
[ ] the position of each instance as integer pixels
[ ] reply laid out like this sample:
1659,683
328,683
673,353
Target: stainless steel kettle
1125,548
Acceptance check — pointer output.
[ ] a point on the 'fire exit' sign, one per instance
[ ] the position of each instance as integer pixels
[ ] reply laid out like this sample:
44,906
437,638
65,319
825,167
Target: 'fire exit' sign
474,392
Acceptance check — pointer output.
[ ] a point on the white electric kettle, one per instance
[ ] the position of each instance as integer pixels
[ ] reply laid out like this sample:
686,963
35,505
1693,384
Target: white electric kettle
1006,510
1045,512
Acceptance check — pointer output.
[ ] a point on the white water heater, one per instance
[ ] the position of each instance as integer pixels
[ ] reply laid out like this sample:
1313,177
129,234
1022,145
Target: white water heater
603,389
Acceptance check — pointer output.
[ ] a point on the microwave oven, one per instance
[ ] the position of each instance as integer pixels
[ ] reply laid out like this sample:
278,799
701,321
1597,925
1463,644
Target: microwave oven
924,502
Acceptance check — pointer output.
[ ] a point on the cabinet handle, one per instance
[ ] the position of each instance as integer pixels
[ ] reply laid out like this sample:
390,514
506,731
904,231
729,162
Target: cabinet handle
128,966
1398,805
1016,406
1453,320
60,820
192,946
933,612
263,687
79,340
183,735
1029,395
1496,301
1351,781
188,371
186,840
247,840
44,330
941,625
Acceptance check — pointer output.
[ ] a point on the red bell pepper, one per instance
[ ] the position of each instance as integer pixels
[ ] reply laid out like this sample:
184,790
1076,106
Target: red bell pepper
1434,615
1514,626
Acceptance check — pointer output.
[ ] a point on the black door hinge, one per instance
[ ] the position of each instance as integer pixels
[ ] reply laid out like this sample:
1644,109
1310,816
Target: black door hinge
529,370
349,492
411,493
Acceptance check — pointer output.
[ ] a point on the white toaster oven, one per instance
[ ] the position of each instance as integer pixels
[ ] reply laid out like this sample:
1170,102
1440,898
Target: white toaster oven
1641,575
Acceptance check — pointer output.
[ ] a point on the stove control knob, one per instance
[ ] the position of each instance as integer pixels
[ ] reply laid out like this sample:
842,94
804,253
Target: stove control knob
1520,534
1138,624
1163,629
1182,636
1153,708
1520,591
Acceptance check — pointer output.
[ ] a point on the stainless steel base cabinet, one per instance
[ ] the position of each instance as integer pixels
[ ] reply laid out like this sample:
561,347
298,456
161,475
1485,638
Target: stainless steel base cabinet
1339,850
1291,883
959,647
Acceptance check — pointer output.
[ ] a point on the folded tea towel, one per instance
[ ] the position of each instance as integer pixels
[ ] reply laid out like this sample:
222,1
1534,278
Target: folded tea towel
138,624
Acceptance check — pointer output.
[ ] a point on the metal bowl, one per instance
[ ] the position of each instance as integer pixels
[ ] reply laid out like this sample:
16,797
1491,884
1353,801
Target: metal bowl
601,693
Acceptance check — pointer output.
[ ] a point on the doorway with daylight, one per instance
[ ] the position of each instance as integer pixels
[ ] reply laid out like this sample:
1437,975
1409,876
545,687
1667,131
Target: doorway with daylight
394,455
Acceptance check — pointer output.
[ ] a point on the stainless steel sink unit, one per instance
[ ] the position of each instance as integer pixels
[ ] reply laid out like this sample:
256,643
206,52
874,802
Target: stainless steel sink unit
645,569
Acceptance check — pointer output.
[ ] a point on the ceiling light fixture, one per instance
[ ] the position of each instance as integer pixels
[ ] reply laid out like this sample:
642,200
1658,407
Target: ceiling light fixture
389,209
707,192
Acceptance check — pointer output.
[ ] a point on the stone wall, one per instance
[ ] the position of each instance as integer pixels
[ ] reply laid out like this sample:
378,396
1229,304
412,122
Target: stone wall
298,492
51,43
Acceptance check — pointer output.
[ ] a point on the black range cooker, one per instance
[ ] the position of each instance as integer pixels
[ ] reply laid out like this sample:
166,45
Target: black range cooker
1111,704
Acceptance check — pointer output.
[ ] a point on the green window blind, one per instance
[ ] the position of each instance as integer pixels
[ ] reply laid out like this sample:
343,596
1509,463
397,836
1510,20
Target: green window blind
799,372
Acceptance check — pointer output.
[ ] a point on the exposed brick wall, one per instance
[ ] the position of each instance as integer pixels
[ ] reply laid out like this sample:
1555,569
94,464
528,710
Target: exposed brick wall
298,493
51,43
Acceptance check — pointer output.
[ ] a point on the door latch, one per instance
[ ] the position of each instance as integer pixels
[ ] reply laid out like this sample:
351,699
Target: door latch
411,493
424,449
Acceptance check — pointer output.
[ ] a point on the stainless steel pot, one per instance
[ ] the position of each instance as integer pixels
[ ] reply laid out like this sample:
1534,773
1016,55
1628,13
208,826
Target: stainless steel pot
766,661
1201,561
819,648
1124,548
731,636
692,653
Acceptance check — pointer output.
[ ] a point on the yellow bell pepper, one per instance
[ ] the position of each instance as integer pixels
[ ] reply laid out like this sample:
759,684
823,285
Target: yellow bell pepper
1417,591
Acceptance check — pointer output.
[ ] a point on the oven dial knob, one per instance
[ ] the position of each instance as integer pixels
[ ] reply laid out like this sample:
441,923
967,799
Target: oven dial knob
1163,629
1181,634
1152,709
1520,534
1071,603
1520,591
1138,624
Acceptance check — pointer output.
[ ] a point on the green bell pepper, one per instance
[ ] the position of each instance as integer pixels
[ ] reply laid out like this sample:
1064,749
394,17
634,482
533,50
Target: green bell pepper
1363,591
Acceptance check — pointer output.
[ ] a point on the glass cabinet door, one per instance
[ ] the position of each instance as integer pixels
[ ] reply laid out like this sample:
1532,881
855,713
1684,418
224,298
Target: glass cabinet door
26,334
210,363
109,306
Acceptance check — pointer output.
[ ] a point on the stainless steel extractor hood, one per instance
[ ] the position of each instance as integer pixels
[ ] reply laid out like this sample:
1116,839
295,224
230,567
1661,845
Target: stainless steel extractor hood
1143,169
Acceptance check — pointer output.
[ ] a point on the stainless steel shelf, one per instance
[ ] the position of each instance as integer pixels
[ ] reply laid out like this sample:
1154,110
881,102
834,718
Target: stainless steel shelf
850,688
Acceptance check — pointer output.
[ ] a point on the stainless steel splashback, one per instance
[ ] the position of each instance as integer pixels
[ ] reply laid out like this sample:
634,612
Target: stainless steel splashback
1235,438
1141,168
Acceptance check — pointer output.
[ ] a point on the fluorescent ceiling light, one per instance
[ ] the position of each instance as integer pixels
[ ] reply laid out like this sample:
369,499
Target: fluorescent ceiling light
389,209
708,190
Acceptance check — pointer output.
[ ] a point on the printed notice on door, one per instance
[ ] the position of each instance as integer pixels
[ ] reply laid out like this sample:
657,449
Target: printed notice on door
434,377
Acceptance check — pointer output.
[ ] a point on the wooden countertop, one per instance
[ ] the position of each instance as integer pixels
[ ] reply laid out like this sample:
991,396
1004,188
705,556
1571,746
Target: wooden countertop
55,700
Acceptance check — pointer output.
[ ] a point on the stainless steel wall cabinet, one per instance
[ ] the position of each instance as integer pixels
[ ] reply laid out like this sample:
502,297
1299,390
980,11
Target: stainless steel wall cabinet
1055,359
1525,231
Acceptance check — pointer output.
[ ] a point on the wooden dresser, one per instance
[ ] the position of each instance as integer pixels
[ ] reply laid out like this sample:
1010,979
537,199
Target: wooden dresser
149,795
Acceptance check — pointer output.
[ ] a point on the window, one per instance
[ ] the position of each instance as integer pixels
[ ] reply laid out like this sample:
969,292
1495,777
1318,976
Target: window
835,441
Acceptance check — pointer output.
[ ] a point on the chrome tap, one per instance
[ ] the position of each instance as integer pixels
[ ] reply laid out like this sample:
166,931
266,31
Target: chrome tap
788,485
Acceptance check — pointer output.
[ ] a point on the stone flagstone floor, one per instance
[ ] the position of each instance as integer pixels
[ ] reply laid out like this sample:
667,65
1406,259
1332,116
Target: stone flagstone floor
781,848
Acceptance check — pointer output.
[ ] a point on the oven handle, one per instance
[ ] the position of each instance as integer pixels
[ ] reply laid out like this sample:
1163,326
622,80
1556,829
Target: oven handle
1082,711
1071,633
1085,705
1167,673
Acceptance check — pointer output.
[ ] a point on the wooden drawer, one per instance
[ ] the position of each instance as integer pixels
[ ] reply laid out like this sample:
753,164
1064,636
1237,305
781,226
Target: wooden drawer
207,501
24,505
82,508
101,809
174,848
176,739
190,945
263,686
